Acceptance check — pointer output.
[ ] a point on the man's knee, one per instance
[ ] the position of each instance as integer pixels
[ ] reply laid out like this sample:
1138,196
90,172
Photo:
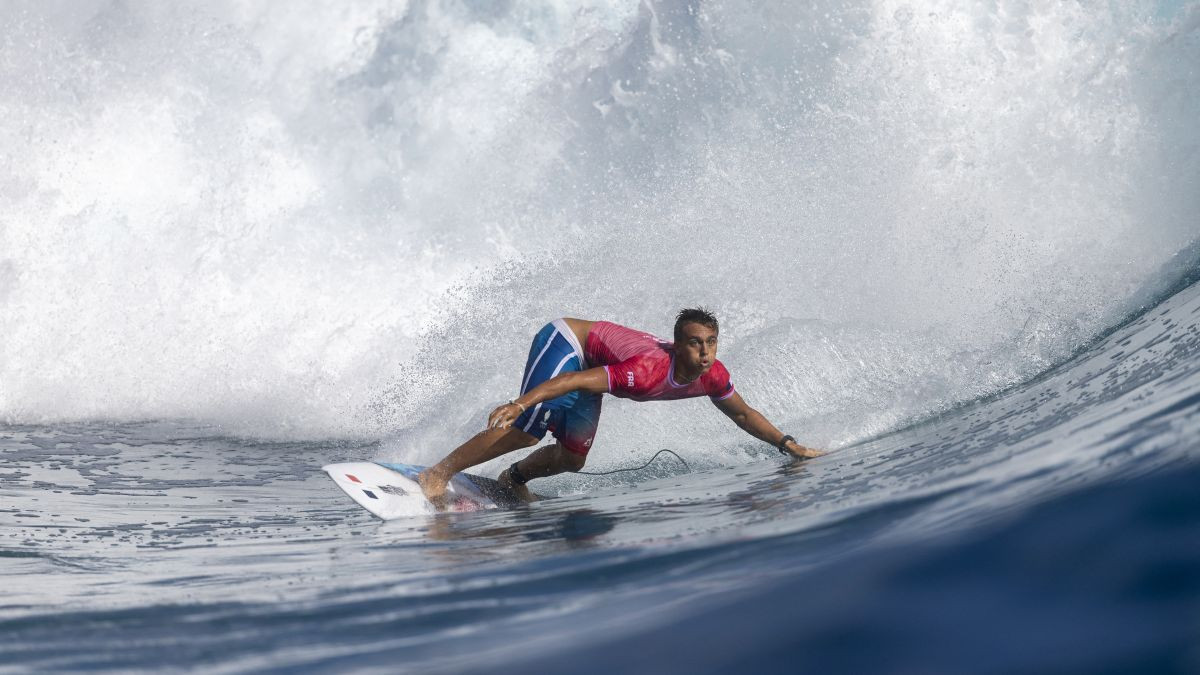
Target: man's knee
570,461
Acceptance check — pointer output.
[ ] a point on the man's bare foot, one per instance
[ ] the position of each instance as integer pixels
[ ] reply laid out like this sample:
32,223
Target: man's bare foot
433,484
522,492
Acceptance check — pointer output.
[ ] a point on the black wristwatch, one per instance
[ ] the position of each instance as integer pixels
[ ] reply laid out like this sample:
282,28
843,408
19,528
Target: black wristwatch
783,442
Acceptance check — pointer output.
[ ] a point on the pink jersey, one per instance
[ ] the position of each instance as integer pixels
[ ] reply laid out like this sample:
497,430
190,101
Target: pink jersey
641,366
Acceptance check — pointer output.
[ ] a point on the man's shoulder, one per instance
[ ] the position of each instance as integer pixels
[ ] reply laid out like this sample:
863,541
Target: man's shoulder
639,374
716,381
717,371
651,358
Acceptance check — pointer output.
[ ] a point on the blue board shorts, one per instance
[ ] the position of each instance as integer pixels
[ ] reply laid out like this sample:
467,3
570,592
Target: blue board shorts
571,418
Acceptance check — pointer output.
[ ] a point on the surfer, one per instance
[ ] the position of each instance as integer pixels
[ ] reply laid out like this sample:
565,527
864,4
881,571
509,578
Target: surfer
572,363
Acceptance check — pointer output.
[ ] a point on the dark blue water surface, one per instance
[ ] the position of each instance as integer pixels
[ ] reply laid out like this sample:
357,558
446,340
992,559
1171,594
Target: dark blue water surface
1055,527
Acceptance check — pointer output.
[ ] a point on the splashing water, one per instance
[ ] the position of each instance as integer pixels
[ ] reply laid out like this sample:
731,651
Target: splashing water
349,221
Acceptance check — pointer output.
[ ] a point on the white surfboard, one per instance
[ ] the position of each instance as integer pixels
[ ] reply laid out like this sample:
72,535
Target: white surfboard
391,490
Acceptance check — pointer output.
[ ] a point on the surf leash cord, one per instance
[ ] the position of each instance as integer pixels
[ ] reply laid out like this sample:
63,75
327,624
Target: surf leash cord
636,468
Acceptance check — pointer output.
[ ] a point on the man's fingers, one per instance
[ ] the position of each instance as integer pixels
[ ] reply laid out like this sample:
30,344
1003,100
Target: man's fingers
802,452
500,419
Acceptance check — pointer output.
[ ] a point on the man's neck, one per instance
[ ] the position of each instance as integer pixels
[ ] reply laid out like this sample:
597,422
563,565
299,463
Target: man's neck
681,376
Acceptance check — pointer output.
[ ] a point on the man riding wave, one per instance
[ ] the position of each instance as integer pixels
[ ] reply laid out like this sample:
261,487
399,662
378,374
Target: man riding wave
572,363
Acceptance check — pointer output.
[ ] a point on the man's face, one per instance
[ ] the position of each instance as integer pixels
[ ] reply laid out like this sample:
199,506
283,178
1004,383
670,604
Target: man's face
697,347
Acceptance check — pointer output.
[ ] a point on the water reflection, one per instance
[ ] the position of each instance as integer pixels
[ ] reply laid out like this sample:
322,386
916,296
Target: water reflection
773,493
574,529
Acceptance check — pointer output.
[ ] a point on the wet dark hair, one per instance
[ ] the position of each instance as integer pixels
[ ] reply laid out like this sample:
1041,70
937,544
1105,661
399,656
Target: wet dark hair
695,315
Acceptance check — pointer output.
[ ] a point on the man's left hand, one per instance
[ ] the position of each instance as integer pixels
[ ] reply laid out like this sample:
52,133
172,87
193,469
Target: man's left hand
802,452
504,416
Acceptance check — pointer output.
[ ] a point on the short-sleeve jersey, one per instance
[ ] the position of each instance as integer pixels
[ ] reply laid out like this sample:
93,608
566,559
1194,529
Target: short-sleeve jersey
641,366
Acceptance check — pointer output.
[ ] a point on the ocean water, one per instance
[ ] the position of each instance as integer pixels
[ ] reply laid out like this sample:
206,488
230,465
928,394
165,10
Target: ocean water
953,243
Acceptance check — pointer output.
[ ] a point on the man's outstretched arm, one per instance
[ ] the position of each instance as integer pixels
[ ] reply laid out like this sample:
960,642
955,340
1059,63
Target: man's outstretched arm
753,423
592,380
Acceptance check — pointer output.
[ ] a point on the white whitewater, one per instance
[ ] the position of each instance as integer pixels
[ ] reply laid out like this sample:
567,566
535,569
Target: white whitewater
331,221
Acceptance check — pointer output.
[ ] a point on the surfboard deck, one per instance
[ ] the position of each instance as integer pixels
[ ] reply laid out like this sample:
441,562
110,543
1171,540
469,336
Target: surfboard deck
390,490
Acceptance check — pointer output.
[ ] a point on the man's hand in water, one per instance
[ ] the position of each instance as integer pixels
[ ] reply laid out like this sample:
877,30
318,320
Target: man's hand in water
802,452
433,484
